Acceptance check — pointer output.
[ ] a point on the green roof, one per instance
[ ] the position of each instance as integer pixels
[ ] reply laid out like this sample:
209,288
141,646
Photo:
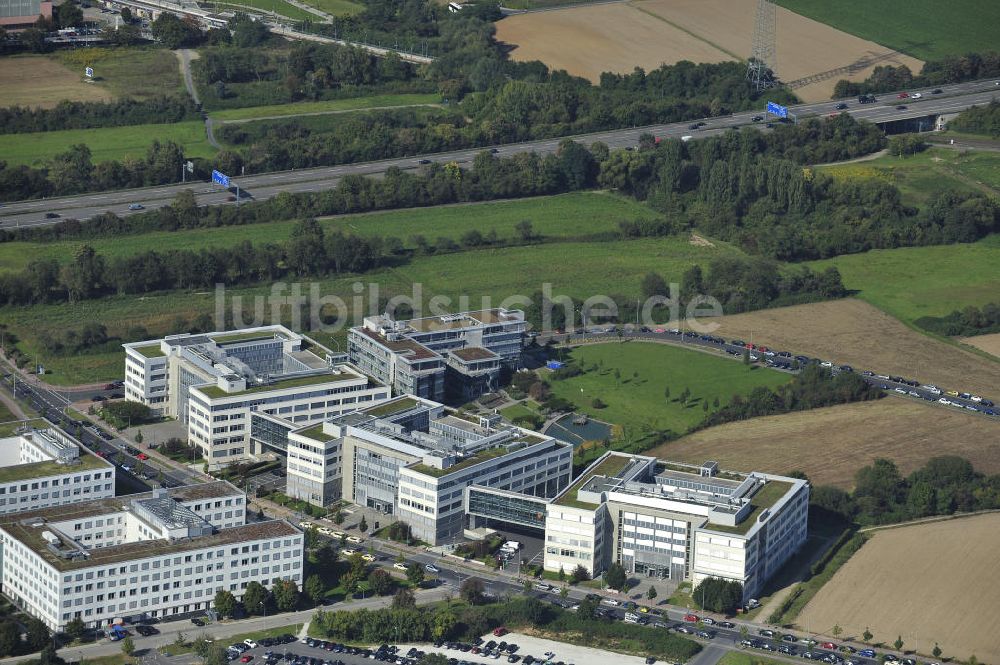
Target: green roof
766,496
8,428
315,433
241,336
481,456
150,350
611,466
293,382
390,408
87,462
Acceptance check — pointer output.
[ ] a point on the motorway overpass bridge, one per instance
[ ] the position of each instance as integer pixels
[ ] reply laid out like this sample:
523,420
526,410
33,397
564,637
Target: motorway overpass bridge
886,112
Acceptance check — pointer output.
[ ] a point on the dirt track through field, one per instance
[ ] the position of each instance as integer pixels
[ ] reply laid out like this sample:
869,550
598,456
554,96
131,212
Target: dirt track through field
904,431
929,583
646,33
852,332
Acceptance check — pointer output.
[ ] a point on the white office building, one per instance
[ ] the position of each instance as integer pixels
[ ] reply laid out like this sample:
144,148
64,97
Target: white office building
458,356
213,382
141,556
677,521
42,466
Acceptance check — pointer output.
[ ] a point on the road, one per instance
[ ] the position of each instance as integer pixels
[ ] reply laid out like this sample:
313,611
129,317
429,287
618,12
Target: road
782,361
265,185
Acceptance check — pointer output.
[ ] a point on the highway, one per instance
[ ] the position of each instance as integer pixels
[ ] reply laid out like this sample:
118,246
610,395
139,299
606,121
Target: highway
952,99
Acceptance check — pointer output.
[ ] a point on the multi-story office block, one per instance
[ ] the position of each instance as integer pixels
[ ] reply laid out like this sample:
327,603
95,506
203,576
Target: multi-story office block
213,382
42,466
421,357
141,556
677,521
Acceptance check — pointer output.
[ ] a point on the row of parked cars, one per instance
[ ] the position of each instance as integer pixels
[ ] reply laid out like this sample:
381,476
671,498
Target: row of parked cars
494,649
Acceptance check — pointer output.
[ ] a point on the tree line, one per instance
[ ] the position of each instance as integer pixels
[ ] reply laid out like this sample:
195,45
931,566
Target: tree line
949,69
447,622
84,115
969,321
944,485
979,120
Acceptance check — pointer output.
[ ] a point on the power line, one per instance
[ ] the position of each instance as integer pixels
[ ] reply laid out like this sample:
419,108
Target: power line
760,68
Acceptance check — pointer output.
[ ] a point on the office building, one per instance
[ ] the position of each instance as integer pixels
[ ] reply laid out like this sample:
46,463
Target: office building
42,466
677,521
412,459
22,14
141,556
213,382
458,356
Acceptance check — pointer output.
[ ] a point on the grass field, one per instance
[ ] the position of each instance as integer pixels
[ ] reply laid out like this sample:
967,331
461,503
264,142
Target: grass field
635,398
743,658
106,143
299,108
908,592
336,7
903,430
912,282
43,81
590,213
853,332
936,170
276,6
916,27
647,33
138,72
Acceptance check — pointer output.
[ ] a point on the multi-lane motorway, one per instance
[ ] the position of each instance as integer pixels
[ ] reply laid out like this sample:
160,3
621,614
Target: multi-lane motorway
951,99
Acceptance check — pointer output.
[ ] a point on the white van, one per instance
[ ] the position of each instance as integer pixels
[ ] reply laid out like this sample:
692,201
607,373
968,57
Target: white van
631,618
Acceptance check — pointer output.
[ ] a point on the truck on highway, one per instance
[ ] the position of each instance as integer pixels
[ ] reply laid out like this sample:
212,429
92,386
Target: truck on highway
866,99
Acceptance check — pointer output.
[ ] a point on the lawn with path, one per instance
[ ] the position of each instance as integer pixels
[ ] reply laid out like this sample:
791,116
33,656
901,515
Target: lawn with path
328,106
631,379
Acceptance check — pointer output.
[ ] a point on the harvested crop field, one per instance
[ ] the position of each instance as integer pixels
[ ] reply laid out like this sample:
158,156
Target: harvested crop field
647,33
988,343
907,432
926,583
42,81
852,332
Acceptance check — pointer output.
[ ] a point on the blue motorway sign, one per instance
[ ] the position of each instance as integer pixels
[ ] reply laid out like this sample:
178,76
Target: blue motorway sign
777,109
220,178
89,71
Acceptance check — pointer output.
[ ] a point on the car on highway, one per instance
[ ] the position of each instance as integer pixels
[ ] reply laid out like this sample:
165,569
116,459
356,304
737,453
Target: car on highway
936,91
903,95
146,631
423,161
916,95
51,215
841,106
693,125
136,206
758,118
901,107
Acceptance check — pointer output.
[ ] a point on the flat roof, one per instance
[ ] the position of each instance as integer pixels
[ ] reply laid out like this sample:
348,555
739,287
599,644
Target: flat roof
279,384
611,465
391,408
247,336
481,456
315,433
765,498
150,350
86,462
473,353
407,347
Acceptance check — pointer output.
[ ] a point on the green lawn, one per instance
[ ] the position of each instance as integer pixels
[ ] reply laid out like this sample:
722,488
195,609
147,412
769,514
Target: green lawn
912,282
925,29
105,144
139,71
921,176
564,216
744,658
6,415
518,411
336,7
635,399
277,6
354,103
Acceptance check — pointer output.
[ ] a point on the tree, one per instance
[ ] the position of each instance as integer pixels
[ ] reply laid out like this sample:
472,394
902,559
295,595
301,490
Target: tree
201,645
564,592
315,589
616,577
338,517
524,230
216,655
68,15
471,590
528,585
225,603
286,595
444,624
248,32
380,581
867,635
38,635
433,659
718,595
404,600
562,574
173,31
898,643
936,652
653,284
837,630
254,597
10,638
415,574
651,593
126,15
128,646
587,609
138,436
580,574
362,525
666,393
75,628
